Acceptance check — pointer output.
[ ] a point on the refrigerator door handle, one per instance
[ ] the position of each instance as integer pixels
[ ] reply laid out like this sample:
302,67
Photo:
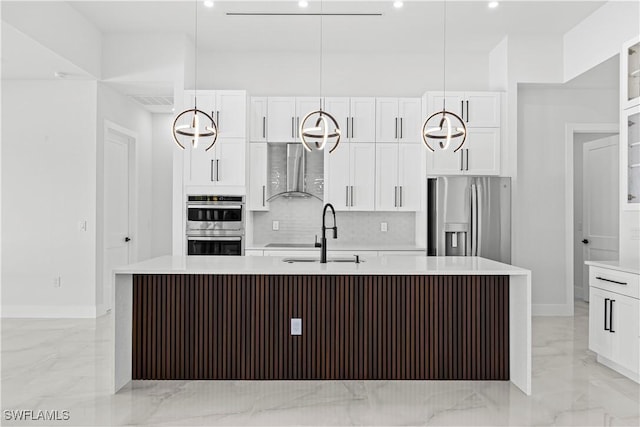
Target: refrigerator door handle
479,221
474,221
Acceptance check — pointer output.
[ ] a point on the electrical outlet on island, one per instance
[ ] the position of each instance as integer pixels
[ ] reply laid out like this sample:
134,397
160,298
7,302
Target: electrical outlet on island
383,227
275,226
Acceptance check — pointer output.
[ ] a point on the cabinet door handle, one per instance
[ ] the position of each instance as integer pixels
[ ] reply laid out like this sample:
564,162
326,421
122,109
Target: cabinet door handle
346,192
400,195
467,150
462,160
396,134
462,109
293,124
400,127
351,200
467,111
606,302
264,190
297,127
395,197
611,316
217,170
264,127
347,127
609,280
211,170
352,129
218,119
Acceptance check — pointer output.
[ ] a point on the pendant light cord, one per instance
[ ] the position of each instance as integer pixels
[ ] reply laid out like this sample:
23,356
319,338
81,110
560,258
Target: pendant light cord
321,51
444,56
195,55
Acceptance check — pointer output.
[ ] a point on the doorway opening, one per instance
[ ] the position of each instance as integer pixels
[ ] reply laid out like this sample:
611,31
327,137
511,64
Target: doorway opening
595,209
119,208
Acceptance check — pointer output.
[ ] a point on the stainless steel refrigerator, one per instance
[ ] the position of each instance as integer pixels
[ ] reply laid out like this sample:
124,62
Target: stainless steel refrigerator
469,216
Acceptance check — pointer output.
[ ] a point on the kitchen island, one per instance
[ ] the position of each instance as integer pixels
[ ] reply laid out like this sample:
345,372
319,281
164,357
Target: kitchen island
228,318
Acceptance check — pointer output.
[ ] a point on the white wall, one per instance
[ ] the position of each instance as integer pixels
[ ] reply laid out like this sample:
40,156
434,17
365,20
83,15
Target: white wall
359,74
162,173
600,36
48,188
70,34
118,109
539,235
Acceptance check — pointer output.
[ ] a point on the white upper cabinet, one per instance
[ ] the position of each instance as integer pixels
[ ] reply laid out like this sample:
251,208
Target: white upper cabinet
257,194
480,155
363,120
355,116
285,115
223,165
630,74
227,107
398,119
231,113
281,119
399,176
477,109
350,173
258,119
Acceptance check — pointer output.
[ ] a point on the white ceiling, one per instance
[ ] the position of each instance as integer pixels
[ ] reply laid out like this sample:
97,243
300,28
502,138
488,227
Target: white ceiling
417,27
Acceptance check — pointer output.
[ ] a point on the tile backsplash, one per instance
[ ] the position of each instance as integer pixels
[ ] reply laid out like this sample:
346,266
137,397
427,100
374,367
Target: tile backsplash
301,219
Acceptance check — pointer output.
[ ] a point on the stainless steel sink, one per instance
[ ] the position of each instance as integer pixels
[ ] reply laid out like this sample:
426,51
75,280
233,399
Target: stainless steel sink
296,260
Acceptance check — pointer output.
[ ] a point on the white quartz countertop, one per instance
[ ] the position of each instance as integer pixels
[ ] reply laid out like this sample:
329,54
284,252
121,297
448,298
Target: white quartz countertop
392,265
336,246
626,266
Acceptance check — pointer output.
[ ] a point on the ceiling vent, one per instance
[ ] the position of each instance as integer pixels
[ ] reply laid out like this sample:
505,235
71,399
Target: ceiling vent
155,104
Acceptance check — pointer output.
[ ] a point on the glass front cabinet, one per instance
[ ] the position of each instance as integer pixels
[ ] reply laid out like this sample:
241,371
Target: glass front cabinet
630,125
630,74
630,158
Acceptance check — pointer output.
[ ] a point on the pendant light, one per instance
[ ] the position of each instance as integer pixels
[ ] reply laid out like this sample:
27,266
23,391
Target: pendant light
322,125
444,126
195,124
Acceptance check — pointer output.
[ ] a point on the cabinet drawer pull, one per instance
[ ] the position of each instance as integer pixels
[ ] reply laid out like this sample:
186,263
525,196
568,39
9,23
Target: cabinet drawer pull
606,303
611,281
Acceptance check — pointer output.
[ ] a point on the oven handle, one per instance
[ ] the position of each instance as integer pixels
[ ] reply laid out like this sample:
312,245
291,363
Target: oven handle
214,207
220,239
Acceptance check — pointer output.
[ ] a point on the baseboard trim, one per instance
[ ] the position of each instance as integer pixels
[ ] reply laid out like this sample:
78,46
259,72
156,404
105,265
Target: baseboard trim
552,309
49,311
634,376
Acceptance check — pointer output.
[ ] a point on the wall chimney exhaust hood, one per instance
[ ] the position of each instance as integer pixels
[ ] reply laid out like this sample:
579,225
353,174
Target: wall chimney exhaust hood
296,174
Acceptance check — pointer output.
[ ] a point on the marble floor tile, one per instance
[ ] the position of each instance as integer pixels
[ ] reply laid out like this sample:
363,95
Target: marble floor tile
63,364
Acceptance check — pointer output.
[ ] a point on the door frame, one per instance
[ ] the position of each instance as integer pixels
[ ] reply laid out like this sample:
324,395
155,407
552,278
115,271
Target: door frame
132,138
570,130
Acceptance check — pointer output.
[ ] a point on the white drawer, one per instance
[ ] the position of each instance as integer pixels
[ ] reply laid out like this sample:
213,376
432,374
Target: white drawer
615,281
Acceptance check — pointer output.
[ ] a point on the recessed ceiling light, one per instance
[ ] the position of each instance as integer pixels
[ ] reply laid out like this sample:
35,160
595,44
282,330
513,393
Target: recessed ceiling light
493,4
208,3
303,3
398,4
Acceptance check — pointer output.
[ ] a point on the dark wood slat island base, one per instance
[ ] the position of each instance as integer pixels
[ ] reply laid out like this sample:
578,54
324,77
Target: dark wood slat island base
356,327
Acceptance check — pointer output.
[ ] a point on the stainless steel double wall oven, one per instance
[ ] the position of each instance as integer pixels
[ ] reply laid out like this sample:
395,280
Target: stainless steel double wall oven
215,225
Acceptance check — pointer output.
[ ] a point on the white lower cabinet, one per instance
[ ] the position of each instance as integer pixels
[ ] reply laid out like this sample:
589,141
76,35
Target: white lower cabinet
350,176
614,320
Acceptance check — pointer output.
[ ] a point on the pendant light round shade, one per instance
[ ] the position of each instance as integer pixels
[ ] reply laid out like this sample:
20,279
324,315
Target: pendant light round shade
317,128
444,127
197,126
